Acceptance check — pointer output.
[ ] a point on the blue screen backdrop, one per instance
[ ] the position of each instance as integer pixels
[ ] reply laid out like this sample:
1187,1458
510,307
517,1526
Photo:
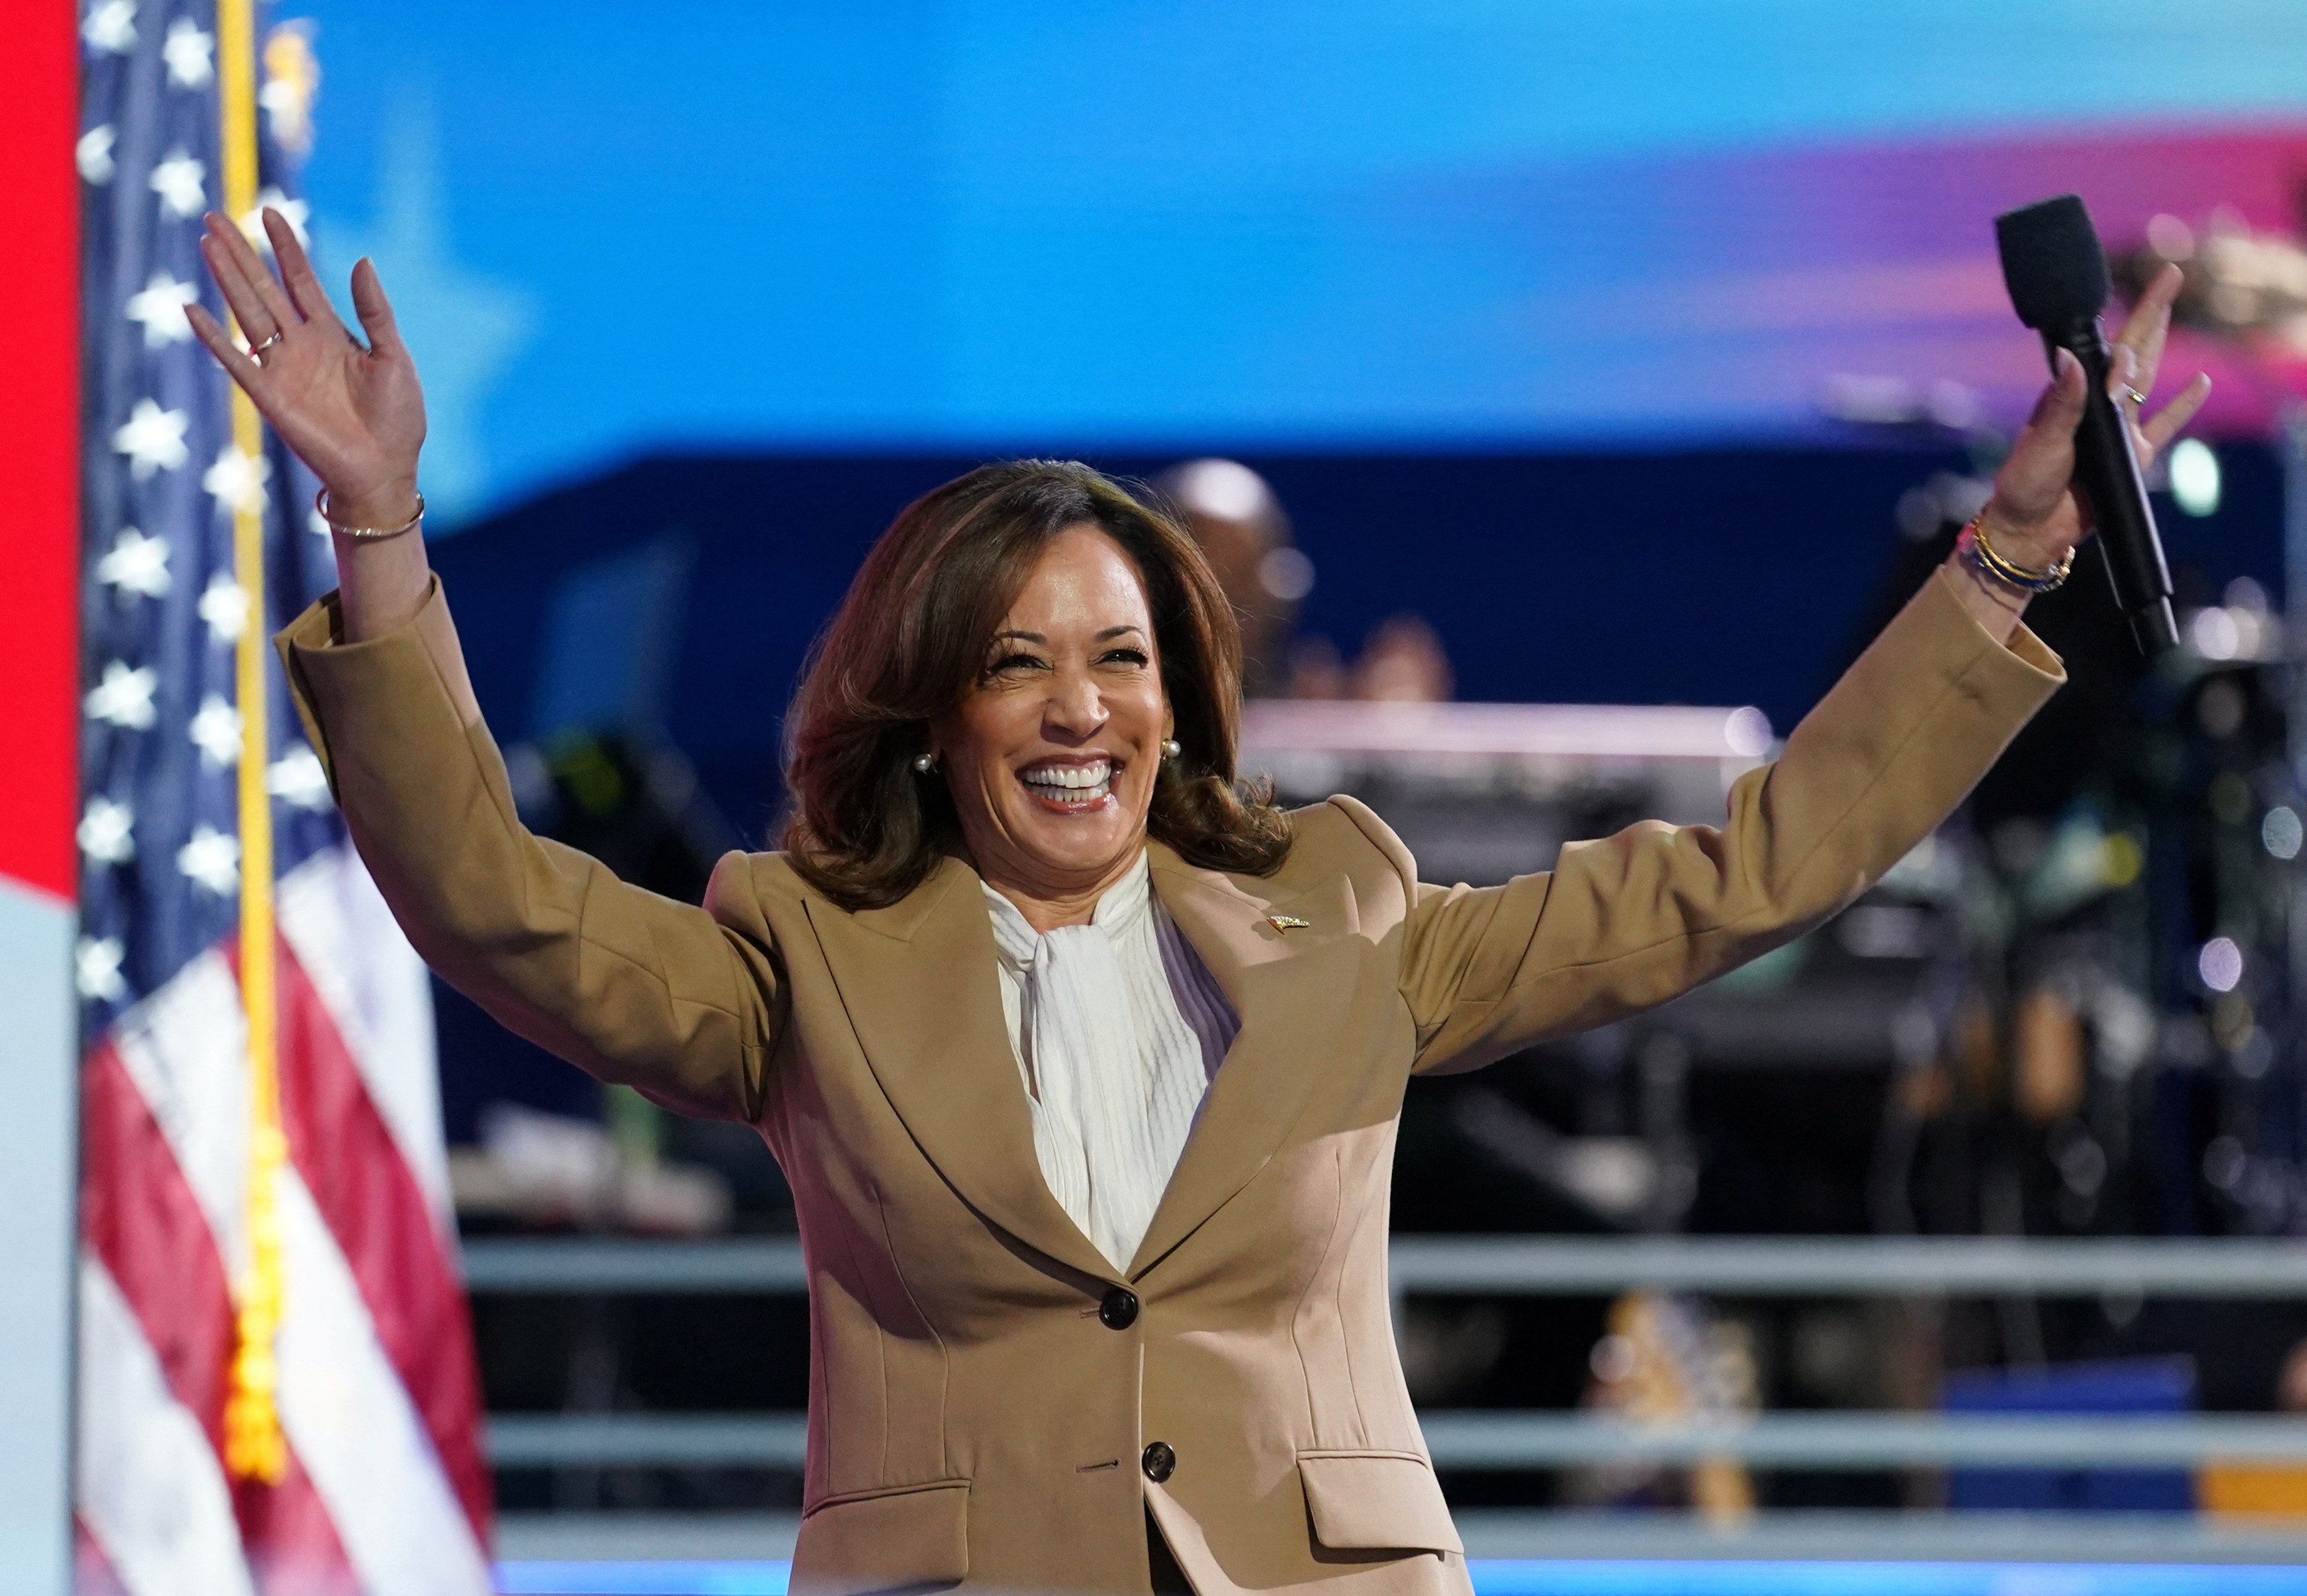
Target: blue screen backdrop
1011,224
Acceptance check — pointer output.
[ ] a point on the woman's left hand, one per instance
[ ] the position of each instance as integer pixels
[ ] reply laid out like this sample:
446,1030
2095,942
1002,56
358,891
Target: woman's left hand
2034,517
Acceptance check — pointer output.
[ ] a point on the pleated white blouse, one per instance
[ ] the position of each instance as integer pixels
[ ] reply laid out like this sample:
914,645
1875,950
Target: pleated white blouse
1117,1027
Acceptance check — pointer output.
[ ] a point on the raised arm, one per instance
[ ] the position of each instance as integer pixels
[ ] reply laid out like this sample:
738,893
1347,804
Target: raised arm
683,1002
1630,920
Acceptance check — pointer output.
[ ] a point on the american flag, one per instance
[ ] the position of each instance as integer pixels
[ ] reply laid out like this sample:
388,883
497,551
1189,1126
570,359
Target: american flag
384,1489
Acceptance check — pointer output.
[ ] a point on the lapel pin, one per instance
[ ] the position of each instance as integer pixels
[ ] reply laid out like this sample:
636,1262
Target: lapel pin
1287,922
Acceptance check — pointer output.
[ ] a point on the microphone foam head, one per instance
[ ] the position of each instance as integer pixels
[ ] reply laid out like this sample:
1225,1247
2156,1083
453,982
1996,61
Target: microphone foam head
2052,262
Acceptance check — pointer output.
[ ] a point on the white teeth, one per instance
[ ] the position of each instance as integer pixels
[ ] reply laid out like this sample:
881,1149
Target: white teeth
1069,775
1066,783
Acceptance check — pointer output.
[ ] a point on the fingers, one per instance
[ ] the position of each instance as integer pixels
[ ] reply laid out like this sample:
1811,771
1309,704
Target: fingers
2122,387
2059,407
243,369
259,303
2164,427
2033,479
240,297
374,311
2149,326
256,274
297,275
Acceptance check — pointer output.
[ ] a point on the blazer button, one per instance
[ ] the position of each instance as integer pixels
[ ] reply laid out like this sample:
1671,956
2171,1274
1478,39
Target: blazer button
1118,1310
1159,1462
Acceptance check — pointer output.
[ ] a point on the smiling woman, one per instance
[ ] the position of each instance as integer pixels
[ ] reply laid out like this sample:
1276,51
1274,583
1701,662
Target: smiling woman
1037,634
1084,1063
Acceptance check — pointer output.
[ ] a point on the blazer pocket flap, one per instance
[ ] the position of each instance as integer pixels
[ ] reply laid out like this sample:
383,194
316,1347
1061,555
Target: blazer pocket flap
1375,1500
897,1539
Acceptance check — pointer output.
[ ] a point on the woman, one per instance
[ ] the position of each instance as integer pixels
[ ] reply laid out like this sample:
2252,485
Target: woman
1083,1066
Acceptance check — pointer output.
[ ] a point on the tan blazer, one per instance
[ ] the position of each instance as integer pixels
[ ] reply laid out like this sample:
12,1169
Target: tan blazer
974,1416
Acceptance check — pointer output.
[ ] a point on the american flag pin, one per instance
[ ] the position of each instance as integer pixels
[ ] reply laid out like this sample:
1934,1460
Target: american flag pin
1287,922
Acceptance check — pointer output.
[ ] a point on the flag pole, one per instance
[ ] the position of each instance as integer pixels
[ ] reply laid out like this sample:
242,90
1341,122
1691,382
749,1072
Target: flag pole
255,1447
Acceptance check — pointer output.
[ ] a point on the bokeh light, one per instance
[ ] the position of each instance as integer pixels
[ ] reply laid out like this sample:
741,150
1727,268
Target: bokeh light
2220,963
2195,477
2280,833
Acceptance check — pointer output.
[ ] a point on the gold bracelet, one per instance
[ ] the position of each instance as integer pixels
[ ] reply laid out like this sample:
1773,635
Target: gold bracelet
1980,555
364,533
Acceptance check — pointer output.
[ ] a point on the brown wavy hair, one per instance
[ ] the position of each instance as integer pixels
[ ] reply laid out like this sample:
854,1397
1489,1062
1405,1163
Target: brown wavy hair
909,642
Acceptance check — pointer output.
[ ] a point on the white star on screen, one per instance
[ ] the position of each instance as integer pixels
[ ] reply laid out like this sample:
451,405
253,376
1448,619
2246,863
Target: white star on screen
93,155
111,27
214,731
96,967
190,54
137,564
211,860
294,212
224,605
107,831
122,697
297,777
160,308
236,481
181,182
152,438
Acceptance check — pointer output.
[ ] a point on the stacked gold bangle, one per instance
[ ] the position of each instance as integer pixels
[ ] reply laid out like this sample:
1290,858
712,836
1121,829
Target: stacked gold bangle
365,533
1980,555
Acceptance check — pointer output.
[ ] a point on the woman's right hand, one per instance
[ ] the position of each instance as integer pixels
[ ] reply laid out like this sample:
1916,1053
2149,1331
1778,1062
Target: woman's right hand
354,415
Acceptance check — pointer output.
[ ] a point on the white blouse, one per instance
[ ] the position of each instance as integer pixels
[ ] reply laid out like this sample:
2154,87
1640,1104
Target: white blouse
1117,1027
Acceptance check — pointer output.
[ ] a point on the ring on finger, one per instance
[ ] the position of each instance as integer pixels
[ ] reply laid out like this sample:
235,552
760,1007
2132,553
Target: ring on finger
256,351
2136,397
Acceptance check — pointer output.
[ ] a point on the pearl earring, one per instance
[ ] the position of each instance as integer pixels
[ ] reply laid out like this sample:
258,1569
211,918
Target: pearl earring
924,763
1171,748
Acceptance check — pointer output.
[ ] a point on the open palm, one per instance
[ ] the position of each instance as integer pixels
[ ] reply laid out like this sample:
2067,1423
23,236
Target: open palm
354,415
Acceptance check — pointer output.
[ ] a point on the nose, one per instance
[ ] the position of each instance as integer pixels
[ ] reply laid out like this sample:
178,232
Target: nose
1075,709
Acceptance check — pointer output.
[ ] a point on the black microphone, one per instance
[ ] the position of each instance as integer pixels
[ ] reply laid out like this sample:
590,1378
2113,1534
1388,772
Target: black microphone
2056,272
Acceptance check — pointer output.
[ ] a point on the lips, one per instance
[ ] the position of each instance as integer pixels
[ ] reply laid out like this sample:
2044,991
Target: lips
1069,784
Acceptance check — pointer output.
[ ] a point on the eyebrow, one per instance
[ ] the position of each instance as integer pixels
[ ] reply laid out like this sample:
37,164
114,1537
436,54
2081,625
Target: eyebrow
1036,636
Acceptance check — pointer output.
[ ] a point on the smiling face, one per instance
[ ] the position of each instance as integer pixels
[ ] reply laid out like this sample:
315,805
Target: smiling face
1052,755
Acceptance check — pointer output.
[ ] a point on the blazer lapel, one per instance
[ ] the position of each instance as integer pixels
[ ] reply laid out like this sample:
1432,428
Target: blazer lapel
919,982
1290,1021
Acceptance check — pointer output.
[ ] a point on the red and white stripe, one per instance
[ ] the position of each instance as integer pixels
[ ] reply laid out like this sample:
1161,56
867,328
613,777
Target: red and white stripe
387,1492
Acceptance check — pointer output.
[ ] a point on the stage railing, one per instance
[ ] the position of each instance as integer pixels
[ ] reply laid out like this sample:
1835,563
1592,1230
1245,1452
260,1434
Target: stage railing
1529,1267
1507,1440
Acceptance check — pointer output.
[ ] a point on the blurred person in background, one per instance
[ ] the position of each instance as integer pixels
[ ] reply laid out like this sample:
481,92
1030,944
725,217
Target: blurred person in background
1243,532
1403,663
1082,1060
